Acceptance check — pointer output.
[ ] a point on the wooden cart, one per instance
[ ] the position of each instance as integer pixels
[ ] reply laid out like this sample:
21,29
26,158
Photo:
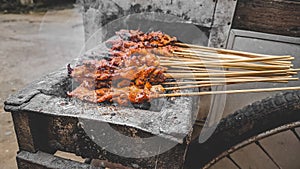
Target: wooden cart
46,121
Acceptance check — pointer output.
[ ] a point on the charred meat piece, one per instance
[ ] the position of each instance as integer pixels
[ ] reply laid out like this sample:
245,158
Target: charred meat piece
136,39
122,96
83,93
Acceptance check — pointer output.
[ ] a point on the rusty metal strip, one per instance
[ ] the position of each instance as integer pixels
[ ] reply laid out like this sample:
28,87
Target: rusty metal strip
222,22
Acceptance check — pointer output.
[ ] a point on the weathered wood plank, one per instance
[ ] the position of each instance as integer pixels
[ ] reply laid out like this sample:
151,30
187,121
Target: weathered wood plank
284,148
252,157
32,131
40,160
23,131
269,16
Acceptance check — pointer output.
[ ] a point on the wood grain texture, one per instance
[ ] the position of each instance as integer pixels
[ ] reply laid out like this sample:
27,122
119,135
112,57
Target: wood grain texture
32,131
23,132
41,160
269,16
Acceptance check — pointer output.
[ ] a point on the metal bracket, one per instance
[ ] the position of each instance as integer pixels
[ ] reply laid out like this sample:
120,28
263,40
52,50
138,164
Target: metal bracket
222,22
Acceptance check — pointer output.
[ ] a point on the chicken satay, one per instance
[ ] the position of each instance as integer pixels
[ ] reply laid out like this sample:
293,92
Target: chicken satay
83,93
129,71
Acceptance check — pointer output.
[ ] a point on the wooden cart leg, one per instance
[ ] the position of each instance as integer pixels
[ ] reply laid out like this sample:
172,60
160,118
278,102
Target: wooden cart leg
32,131
23,131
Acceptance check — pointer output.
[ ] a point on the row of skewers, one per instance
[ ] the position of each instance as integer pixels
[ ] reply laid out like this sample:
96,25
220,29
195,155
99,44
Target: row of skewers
142,66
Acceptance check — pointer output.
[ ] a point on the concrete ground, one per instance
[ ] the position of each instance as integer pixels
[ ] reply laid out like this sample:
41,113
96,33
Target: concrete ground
32,45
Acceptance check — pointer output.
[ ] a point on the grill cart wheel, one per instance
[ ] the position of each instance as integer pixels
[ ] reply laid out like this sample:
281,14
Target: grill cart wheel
248,125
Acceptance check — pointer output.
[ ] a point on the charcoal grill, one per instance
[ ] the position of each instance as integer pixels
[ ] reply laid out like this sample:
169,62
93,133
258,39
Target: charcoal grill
46,120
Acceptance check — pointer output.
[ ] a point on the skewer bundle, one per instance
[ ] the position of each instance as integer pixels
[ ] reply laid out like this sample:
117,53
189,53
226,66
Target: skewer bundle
146,61
212,66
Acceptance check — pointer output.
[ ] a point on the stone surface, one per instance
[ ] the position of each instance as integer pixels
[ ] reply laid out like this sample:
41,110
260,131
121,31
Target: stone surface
47,96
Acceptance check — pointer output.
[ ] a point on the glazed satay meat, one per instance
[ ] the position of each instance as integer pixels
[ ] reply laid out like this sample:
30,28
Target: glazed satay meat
133,94
129,39
89,70
106,70
136,88
141,57
157,76
122,96
130,74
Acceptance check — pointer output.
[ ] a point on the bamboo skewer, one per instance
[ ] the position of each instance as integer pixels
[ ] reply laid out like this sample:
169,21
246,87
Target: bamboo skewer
227,92
162,58
228,74
241,60
223,81
193,86
268,68
205,63
204,85
194,62
197,69
282,59
218,83
194,54
200,71
176,71
188,66
191,62
226,78
199,76
186,71
223,51
200,53
198,79
249,66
